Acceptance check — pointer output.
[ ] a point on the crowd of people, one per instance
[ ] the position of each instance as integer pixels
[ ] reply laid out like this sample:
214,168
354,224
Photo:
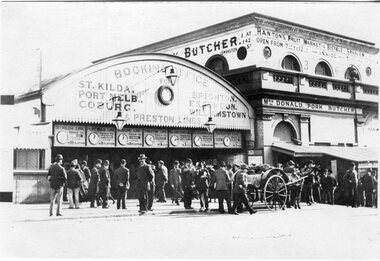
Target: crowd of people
205,182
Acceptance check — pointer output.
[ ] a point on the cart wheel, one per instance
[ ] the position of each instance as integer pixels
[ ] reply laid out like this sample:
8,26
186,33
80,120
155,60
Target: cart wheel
275,193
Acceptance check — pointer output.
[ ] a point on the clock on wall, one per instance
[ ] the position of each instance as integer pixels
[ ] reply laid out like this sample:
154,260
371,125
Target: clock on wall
165,95
174,140
122,138
149,140
62,137
197,140
93,138
227,141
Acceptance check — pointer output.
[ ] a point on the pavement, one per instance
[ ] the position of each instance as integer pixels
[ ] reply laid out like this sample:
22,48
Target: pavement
314,232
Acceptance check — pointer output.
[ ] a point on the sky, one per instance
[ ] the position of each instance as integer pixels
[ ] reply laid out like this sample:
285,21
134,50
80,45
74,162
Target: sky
70,35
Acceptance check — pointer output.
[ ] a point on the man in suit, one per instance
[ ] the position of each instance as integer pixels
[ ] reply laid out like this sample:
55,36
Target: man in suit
121,180
152,185
240,190
57,177
93,187
161,180
74,181
187,183
104,184
367,181
175,182
221,182
144,177
350,181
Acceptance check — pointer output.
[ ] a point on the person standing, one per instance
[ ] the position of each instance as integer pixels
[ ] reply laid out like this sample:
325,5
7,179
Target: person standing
74,182
350,183
93,187
161,180
144,177
85,176
152,186
187,183
331,184
367,183
121,177
57,177
309,181
104,184
240,190
221,184
202,181
175,181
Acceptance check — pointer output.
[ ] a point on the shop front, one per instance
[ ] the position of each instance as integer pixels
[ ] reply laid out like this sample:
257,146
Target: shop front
163,106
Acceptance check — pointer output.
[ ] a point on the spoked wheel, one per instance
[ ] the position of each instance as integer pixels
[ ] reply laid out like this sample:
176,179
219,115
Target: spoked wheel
275,193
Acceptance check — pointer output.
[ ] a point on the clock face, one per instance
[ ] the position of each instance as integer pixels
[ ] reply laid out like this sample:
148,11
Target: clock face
165,95
62,137
267,52
93,138
122,138
149,140
227,141
174,140
197,141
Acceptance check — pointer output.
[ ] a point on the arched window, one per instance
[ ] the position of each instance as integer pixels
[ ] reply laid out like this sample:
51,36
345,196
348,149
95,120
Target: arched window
290,63
347,74
284,132
217,64
323,68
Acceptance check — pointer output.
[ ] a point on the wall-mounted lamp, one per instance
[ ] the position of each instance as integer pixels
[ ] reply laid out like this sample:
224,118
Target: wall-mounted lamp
170,75
119,121
210,125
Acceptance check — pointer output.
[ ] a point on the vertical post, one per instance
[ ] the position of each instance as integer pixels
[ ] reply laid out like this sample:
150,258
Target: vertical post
42,106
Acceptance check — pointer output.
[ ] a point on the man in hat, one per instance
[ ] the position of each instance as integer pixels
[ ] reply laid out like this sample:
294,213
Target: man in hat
93,187
104,184
57,177
187,183
175,182
350,181
221,182
240,190
74,181
121,177
161,180
144,177
309,181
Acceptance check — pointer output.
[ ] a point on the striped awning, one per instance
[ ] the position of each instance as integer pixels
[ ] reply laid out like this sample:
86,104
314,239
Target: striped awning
356,154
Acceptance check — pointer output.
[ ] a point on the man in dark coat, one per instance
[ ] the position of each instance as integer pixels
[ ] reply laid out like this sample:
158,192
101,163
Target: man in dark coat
104,184
240,190
331,184
174,181
152,185
187,182
309,181
202,183
85,175
144,177
74,181
350,181
121,180
93,187
161,180
367,183
57,177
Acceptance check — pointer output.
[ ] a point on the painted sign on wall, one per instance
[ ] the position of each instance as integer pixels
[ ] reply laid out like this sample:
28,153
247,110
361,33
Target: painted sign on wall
129,137
155,138
180,138
203,139
227,139
100,136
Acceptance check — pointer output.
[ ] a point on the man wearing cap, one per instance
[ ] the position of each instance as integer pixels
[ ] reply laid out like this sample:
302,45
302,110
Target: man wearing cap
104,184
161,180
175,181
121,177
145,176
74,181
221,182
240,190
187,183
309,181
57,177
93,187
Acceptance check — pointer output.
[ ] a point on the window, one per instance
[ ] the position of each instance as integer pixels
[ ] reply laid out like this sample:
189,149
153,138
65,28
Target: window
355,73
217,64
323,68
29,159
290,63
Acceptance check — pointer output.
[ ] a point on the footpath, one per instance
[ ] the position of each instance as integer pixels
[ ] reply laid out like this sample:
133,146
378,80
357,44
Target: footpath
40,212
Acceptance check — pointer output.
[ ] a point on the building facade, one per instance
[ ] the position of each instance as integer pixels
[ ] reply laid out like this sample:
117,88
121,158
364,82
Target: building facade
275,90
